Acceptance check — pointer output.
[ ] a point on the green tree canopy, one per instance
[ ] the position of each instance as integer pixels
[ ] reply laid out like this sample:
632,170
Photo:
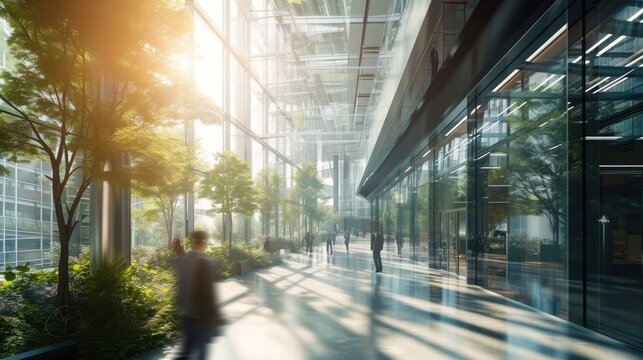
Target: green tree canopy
164,175
268,183
229,186
308,188
91,78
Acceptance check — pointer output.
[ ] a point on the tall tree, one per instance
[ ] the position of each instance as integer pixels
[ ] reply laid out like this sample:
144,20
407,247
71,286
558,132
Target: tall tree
90,80
229,186
164,175
268,183
308,188
292,213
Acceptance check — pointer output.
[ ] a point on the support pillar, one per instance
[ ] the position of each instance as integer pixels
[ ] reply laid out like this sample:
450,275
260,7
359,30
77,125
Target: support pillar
110,219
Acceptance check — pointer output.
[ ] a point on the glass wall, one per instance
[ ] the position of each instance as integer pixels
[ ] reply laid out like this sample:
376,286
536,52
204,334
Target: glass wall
521,168
532,186
614,167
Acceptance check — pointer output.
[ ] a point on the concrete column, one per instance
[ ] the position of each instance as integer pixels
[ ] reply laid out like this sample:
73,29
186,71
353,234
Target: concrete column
110,219
335,171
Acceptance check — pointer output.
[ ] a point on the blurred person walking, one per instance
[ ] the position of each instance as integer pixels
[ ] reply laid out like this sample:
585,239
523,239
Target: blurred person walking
197,299
400,242
329,243
347,239
308,239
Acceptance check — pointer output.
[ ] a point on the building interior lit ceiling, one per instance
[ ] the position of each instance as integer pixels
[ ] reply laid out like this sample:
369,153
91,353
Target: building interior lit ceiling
337,47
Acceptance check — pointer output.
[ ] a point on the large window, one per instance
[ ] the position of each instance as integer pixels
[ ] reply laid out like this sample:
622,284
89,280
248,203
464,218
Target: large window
614,167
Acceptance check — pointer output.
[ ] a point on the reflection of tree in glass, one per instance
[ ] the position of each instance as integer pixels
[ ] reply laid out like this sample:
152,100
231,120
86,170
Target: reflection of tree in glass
537,162
422,212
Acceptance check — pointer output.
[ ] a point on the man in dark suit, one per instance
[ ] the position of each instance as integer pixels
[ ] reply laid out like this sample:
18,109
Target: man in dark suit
378,245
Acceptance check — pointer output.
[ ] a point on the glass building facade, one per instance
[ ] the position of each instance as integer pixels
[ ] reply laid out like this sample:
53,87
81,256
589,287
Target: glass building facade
529,184
532,184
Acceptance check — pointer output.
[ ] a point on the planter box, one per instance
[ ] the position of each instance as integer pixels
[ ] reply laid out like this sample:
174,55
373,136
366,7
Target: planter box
285,253
244,266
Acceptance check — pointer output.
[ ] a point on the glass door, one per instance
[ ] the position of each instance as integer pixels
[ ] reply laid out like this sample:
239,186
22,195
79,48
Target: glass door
614,170
453,241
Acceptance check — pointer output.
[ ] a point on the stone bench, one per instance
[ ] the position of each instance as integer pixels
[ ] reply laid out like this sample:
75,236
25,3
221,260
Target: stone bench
61,350
244,266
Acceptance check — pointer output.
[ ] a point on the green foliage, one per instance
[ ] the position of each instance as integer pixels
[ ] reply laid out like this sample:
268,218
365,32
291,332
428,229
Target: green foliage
165,173
229,186
91,78
268,184
227,258
538,169
308,188
292,211
122,310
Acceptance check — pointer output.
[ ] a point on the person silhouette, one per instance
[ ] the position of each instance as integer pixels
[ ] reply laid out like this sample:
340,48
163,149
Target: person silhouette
197,299
309,242
347,239
378,246
434,61
329,243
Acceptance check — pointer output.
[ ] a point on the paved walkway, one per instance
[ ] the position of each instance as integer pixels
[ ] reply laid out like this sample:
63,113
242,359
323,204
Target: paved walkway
335,307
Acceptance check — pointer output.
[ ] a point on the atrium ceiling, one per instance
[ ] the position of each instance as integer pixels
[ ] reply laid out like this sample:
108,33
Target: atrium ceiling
337,46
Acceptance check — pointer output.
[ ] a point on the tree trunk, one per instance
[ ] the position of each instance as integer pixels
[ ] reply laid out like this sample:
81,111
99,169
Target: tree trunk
230,229
169,224
63,297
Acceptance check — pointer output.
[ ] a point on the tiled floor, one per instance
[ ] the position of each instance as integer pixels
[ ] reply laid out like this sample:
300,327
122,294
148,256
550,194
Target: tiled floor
335,307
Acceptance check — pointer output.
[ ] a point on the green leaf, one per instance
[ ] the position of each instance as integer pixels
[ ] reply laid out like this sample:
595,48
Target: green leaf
9,275
23,268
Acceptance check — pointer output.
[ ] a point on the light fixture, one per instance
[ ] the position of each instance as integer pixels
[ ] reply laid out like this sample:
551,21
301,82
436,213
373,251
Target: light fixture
426,153
554,83
577,59
547,43
474,110
621,166
598,83
483,155
602,40
507,109
555,147
634,61
615,82
506,80
637,14
490,167
455,126
518,108
601,138
543,83
611,45
408,168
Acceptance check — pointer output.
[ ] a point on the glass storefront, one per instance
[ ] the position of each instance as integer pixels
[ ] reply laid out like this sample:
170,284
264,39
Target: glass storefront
613,170
533,185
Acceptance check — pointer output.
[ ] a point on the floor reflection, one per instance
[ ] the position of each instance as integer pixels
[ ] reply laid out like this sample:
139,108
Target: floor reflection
334,307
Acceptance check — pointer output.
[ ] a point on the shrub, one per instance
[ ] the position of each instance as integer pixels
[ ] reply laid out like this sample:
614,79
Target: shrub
119,311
